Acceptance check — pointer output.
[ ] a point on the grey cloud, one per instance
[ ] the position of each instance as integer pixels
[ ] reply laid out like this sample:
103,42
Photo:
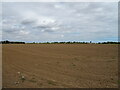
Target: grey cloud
28,21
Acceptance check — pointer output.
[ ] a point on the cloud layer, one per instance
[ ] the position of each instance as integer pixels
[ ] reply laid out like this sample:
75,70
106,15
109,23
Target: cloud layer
60,21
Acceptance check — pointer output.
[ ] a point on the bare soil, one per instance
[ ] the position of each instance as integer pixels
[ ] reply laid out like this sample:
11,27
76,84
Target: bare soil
60,65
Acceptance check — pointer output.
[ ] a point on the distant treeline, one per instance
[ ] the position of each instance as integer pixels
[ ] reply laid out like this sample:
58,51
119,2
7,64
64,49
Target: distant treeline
69,42
74,42
60,42
108,42
11,42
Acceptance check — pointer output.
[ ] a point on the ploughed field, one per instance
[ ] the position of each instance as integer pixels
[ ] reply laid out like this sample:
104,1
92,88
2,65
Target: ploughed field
60,65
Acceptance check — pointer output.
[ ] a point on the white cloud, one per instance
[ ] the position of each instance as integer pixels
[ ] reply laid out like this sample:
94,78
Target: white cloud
24,32
50,21
58,6
62,36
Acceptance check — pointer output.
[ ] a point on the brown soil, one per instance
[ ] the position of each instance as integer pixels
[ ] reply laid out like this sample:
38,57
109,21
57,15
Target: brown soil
60,65
0,66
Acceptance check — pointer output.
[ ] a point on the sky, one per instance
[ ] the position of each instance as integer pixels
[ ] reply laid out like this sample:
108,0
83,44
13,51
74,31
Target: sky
60,21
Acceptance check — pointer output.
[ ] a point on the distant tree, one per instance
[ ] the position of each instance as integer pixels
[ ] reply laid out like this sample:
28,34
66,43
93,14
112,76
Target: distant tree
90,41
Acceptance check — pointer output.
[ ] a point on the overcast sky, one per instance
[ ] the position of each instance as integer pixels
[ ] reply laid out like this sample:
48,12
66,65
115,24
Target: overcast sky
60,21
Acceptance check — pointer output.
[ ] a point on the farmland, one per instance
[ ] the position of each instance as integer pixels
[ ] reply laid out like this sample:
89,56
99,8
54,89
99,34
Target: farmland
60,65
